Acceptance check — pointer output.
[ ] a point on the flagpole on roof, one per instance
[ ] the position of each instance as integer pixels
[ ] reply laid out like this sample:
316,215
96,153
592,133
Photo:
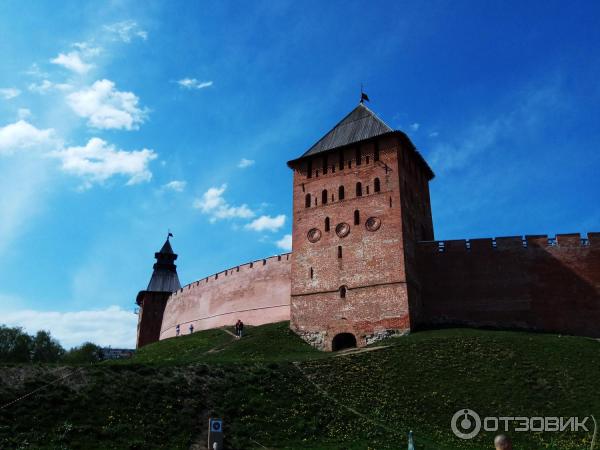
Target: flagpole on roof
363,95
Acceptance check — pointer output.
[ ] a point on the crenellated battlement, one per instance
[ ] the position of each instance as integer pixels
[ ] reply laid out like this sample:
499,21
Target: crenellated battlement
232,271
569,240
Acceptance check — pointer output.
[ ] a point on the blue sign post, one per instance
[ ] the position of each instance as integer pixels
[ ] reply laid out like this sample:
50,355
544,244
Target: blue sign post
215,434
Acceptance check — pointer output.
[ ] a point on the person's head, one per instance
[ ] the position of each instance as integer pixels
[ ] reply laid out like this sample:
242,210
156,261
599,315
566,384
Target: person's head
503,442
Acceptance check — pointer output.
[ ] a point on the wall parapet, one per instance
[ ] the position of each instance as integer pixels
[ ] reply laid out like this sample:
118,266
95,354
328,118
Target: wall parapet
232,270
568,240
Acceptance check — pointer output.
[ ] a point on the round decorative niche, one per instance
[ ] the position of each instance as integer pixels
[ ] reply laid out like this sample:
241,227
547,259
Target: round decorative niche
342,229
314,234
373,223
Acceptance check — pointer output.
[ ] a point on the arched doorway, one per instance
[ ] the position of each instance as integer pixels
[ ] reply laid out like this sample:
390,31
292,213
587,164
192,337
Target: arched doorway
342,341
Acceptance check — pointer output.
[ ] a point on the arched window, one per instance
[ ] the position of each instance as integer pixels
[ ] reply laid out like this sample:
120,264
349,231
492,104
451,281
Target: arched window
326,223
324,197
339,251
358,156
341,193
377,185
357,217
311,272
307,201
359,189
342,291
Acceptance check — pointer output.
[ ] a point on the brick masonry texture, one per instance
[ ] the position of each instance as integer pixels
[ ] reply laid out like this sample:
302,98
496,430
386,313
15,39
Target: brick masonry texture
256,293
528,283
375,283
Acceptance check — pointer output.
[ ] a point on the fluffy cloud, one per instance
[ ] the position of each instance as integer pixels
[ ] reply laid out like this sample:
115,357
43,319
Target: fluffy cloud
46,86
105,107
112,326
175,185
9,93
415,126
192,83
73,62
245,163
216,207
23,135
97,161
267,223
126,30
285,243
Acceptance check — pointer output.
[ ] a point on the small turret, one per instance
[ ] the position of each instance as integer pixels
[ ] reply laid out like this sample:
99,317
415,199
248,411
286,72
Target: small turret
164,278
153,300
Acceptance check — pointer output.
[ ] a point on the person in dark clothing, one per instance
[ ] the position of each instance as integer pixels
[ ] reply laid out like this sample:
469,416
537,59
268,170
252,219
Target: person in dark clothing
191,328
177,330
239,328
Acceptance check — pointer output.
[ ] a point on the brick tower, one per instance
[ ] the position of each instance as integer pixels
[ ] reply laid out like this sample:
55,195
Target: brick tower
153,300
360,203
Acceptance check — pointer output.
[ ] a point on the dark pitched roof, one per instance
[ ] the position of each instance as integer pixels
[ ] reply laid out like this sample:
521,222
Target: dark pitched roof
166,248
164,277
360,124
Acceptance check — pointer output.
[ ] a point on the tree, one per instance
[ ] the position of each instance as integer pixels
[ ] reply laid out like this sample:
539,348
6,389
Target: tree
85,353
15,345
45,348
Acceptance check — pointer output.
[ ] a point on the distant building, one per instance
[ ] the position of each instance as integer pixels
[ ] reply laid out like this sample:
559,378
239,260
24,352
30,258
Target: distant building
364,263
117,353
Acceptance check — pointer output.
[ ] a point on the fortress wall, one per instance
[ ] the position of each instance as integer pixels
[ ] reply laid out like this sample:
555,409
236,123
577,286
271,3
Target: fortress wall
256,292
513,282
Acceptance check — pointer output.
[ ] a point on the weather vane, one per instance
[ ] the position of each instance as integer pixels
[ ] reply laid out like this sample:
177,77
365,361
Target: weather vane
363,95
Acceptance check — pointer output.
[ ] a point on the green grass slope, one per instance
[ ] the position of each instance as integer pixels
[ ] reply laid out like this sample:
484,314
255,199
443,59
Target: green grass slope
275,391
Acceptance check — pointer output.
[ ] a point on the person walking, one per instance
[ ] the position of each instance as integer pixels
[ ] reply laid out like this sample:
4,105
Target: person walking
191,328
177,330
241,328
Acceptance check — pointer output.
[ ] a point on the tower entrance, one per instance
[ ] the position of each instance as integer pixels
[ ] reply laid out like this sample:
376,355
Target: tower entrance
342,341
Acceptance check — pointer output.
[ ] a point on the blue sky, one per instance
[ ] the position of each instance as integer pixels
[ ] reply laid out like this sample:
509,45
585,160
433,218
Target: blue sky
119,122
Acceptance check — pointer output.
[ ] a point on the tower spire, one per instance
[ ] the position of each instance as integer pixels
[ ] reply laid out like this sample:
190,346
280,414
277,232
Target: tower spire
164,277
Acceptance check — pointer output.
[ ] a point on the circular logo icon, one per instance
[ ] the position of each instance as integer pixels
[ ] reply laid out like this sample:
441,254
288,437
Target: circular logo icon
314,234
216,426
466,424
342,229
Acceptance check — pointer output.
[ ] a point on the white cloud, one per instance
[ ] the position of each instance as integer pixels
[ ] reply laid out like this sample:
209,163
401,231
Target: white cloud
23,113
9,93
35,71
23,135
245,163
73,62
46,85
126,30
112,326
214,205
106,108
415,126
285,243
176,185
268,223
434,134
192,83
97,161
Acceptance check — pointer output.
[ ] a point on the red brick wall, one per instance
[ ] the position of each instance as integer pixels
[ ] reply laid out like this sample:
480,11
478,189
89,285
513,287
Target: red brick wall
554,288
257,293
372,266
150,316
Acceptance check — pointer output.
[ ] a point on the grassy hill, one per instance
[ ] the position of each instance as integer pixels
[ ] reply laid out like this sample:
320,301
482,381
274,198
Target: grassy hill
275,391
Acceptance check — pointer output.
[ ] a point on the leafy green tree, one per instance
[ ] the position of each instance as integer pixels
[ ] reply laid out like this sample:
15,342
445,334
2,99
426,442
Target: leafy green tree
85,353
45,348
15,345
